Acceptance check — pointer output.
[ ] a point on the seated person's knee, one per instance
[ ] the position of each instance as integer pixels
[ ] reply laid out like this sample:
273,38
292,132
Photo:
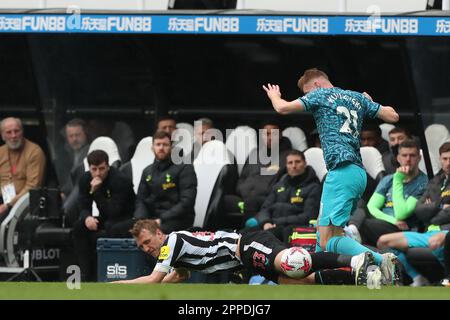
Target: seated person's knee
383,242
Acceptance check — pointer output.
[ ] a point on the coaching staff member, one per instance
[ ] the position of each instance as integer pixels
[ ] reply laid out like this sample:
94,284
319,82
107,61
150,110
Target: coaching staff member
167,191
114,197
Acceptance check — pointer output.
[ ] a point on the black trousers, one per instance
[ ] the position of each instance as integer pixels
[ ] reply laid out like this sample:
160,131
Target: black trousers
251,207
282,233
372,229
85,244
447,254
358,217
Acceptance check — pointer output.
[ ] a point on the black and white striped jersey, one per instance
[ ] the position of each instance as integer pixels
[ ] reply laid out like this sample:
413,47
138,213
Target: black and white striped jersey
206,252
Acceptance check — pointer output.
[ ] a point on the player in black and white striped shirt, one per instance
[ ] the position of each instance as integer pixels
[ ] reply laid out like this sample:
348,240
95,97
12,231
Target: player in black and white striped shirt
208,252
205,252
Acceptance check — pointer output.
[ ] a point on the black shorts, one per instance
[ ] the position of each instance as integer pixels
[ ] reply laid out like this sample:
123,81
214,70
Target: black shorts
258,251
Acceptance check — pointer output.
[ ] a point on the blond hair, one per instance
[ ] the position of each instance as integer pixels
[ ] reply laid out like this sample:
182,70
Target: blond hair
309,75
147,224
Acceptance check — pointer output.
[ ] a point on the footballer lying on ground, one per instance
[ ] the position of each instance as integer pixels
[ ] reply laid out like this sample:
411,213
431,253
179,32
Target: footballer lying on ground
257,252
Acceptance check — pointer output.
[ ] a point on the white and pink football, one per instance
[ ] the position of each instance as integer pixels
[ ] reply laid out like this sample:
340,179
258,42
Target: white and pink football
296,262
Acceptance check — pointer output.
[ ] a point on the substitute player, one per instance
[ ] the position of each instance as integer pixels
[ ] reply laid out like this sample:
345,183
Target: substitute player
339,117
258,252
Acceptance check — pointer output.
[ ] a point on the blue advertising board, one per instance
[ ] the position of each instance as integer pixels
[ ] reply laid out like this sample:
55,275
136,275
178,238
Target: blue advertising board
226,24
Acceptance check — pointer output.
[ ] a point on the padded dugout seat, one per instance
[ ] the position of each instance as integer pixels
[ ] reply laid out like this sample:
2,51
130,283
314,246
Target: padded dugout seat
110,147
241,142
373,162
142,158
183,137
436,135
385,129
297,138
314,158
433,161
216,175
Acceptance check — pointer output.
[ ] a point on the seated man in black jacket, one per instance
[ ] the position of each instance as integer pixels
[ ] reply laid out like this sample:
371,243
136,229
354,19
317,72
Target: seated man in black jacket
258,176
294,200
113,195
167,191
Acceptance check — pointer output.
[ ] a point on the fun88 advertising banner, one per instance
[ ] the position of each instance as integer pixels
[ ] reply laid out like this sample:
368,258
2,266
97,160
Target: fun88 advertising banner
226,24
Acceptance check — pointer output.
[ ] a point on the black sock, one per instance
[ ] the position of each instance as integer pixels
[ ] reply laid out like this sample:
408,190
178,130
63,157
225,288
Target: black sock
329,260
334,277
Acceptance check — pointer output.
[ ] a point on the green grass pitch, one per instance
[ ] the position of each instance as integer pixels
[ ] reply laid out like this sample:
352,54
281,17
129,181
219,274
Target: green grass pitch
52,290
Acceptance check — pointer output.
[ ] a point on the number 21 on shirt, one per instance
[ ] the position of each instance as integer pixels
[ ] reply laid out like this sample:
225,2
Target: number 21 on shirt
351,118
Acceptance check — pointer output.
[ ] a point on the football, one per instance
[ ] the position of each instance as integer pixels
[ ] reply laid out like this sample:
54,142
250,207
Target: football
296,262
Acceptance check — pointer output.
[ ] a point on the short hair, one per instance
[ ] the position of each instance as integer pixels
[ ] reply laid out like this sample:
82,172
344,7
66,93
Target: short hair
97,157
409,143
19,122
147,224
400,130
372,127
295,152
444,148
77,122
271,123
310,74
161,135
206,121
165,118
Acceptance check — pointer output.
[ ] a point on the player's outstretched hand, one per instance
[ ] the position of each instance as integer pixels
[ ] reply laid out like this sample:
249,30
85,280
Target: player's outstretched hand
272,90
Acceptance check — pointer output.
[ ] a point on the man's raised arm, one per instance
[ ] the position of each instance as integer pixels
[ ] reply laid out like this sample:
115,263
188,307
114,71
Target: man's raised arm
388,114
280,105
